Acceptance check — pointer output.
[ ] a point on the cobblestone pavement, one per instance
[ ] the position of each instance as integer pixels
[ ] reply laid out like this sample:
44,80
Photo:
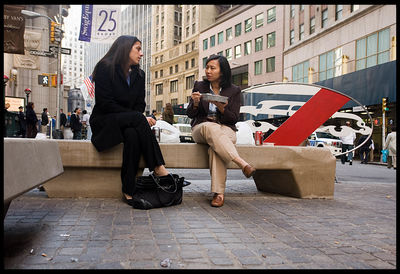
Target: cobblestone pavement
355,230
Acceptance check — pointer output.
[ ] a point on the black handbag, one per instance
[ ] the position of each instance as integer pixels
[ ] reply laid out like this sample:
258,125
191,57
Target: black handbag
158,191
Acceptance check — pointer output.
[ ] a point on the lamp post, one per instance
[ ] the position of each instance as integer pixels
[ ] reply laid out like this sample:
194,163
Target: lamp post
27,92
13,80
62,13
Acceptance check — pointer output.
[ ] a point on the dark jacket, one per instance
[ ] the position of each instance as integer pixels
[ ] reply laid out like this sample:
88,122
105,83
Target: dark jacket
114,96
63,119
76,124
31,118
231,113
45,118
362,139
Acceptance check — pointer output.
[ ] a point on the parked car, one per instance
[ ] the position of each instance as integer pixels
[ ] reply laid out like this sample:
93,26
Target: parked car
325,139
182,122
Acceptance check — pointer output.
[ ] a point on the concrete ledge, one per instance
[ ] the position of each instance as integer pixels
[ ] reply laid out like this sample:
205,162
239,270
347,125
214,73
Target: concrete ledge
304,172
28,163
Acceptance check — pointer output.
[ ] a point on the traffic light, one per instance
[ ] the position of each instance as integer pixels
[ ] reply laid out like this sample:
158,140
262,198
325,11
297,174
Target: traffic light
53,32
53,80
384,106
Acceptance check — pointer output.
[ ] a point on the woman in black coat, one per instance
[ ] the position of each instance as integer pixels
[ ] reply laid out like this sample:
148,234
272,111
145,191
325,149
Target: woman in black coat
118,113
31,121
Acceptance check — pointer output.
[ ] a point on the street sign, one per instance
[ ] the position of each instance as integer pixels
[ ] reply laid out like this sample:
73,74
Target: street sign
65,51
42,53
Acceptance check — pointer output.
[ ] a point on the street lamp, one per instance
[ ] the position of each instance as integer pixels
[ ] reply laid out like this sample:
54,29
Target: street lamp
27,92
62,13
13,80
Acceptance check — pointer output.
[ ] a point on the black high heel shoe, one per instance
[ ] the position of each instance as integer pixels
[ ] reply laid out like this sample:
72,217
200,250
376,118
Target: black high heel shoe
126,200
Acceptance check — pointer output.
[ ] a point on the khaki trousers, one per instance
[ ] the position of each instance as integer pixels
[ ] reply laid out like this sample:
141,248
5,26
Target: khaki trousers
222,150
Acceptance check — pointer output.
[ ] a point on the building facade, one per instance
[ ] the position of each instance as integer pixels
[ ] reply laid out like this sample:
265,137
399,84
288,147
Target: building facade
175,50
251,38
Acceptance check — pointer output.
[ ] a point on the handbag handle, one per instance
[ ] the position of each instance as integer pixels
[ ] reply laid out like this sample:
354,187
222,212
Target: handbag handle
157,181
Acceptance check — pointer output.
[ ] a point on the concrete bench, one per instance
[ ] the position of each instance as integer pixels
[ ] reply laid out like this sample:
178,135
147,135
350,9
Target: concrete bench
28,163
303,172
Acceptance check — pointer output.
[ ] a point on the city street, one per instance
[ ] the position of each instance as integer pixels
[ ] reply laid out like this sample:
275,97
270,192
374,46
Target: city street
355,230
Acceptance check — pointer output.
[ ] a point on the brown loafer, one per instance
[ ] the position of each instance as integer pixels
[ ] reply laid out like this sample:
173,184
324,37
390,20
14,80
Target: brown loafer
249,171
218,200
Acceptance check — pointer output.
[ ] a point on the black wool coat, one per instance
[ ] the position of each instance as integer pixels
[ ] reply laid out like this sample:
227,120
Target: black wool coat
114,96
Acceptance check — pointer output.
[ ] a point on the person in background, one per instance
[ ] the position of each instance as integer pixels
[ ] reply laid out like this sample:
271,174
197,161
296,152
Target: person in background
153,114
86,124
31,121
45,121
6,107
213,123
168,114
390,144
22,122
348,144
63,119
371,147
76,124
364,149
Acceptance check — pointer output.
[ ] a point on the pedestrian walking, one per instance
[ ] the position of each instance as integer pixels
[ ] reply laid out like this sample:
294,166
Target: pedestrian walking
348,144
76,124
45,121
118,113
22,122
86,124
390,145
364,149
168,114
31,121
371,153
213,123
63,119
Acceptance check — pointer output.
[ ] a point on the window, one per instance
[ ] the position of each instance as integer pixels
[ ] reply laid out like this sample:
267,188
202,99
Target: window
220,53
324,18
330,64
247,48
258,67
291,37
189,82
229,34
238,29
205,44
192,62
186,64
174,102
300,72
158,106
159,89
259,20
354,7
271,39
292,11
173,86
271,64
228,54
161,73
220,37
301,7
238,51
176,68
301,32
247,25
156,74
187,31
194,12
186,48
204,62
193,45
312,25
162,44
338,12
212,41
259,44
373,50
193,28
271,15
171,70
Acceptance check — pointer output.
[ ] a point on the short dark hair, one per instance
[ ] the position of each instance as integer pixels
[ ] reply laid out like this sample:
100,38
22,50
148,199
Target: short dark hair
45,109
226,75
84,111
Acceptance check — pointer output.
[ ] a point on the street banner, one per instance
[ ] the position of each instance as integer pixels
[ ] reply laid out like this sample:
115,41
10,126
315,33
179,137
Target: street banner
100,23
14,28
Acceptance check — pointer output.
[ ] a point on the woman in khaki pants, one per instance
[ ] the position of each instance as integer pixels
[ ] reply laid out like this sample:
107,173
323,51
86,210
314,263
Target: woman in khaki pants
213,123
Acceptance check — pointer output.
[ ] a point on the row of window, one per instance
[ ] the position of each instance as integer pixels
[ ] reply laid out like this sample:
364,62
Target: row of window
236,52
370,51
171,68
248,26
173,85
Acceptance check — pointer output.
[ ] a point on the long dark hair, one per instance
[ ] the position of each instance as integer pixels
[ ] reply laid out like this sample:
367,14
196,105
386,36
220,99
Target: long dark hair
117,54
225,68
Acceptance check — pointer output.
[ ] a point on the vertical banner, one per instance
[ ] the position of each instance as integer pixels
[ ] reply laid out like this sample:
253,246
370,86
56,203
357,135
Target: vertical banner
14,28
100,23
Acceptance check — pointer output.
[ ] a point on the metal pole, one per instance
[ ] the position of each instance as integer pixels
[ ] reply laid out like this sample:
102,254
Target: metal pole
59,74
383,129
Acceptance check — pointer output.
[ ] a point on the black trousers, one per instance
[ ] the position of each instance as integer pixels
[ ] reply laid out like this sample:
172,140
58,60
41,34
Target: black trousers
138,140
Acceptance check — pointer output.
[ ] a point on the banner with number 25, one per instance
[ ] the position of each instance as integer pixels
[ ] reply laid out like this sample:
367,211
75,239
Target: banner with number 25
100,23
